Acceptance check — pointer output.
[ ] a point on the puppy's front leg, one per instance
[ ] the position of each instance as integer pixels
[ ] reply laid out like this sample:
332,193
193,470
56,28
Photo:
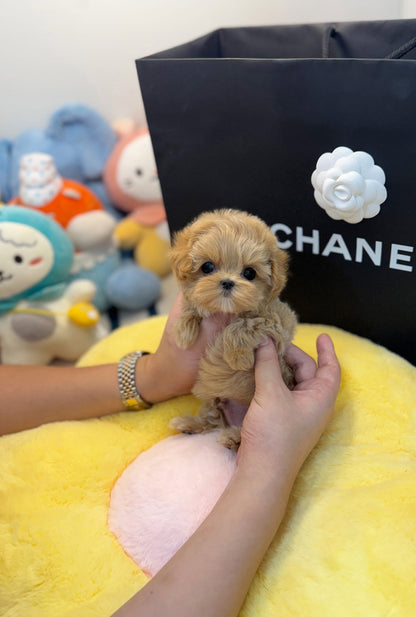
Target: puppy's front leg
238,345
241,338
187,329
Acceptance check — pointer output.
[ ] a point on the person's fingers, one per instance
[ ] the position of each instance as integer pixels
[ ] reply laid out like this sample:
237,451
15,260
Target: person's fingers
174,312
210,326
303,365
177,305
326,351
266,367
328,365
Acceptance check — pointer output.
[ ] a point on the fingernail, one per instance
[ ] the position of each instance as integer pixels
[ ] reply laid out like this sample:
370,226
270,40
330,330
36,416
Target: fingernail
263,342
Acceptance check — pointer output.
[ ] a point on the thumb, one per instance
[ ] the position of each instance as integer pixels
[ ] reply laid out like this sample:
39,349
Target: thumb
215,322
267,368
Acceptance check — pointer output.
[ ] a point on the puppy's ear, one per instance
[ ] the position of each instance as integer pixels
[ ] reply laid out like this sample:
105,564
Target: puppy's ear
279,262
179,255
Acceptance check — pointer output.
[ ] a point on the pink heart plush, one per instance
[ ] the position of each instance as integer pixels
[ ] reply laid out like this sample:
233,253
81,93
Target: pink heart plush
165,494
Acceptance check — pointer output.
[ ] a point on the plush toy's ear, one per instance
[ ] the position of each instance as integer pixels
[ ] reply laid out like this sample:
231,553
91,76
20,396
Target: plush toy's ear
123,126
180,254
87,132
279,262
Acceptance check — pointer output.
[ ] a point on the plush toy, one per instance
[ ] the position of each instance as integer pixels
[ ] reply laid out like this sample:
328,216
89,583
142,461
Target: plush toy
78,138
5,149
90,228
42,317
131,180
150,244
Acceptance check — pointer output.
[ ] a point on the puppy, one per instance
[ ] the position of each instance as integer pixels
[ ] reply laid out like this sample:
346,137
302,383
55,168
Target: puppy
228,261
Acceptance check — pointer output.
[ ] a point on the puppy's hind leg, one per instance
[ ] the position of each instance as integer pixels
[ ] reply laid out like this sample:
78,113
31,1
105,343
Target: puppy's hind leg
230,438
209,418
234,413
187,424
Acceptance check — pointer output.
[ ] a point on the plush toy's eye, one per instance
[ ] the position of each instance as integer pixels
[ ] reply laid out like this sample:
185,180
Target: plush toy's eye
139,171
18,259
208,267
249,273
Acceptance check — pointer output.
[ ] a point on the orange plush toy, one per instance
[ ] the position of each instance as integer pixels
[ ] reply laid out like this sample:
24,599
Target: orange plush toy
43,189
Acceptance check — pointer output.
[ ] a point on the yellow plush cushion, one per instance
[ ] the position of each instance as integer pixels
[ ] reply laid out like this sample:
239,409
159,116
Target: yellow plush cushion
347,545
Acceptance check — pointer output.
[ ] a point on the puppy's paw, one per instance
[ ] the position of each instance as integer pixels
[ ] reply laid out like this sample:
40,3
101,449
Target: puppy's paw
188,424
230,438
239,359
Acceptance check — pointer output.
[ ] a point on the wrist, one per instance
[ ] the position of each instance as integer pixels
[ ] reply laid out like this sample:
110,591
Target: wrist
153,381
273,471
268,491
132,399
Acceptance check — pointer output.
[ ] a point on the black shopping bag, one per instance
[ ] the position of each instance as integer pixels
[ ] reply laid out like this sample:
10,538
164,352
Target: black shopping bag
313,128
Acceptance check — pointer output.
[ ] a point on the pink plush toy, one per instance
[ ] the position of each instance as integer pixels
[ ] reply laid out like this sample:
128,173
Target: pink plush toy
131,180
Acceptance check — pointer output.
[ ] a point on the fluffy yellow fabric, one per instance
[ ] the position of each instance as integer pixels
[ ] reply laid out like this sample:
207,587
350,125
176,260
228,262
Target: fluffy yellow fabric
347,545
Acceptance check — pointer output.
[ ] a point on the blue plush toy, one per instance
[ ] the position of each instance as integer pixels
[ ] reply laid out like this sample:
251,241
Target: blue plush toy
5,174
42,315
78,138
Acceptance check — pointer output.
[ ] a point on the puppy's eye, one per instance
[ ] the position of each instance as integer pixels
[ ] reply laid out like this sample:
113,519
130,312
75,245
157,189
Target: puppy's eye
249,273
208,267
18,259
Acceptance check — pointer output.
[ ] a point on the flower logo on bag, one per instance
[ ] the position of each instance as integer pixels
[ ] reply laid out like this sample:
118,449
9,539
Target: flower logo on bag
348,185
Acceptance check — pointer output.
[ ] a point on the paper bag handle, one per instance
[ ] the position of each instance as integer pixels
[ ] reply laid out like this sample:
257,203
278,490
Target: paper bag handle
398,53
403,50
329,32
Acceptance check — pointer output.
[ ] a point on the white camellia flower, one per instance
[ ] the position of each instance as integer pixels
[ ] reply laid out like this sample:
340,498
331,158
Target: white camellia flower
348,185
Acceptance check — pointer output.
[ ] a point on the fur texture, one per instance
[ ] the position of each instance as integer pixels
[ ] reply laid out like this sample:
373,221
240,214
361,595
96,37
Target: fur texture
228,261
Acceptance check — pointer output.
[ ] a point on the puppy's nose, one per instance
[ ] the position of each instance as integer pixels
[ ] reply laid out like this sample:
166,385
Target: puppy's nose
227,284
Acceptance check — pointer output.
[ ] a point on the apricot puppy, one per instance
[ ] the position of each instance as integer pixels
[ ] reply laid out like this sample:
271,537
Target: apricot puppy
228,261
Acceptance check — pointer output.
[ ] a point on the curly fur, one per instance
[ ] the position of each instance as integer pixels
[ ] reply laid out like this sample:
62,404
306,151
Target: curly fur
236,245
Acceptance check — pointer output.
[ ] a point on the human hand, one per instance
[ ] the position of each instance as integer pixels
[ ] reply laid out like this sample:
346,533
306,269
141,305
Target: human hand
172,371
282,426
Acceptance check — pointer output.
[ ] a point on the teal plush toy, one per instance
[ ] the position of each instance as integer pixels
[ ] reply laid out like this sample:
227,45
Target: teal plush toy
42,315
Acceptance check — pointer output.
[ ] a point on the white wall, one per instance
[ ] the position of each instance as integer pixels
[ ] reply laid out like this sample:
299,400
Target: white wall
409,9
63,51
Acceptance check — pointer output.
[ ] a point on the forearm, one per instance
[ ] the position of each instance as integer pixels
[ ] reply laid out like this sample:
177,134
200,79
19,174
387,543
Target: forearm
34,395
211,574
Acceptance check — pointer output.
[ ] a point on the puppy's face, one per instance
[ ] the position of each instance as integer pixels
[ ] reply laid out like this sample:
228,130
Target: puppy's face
228,261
